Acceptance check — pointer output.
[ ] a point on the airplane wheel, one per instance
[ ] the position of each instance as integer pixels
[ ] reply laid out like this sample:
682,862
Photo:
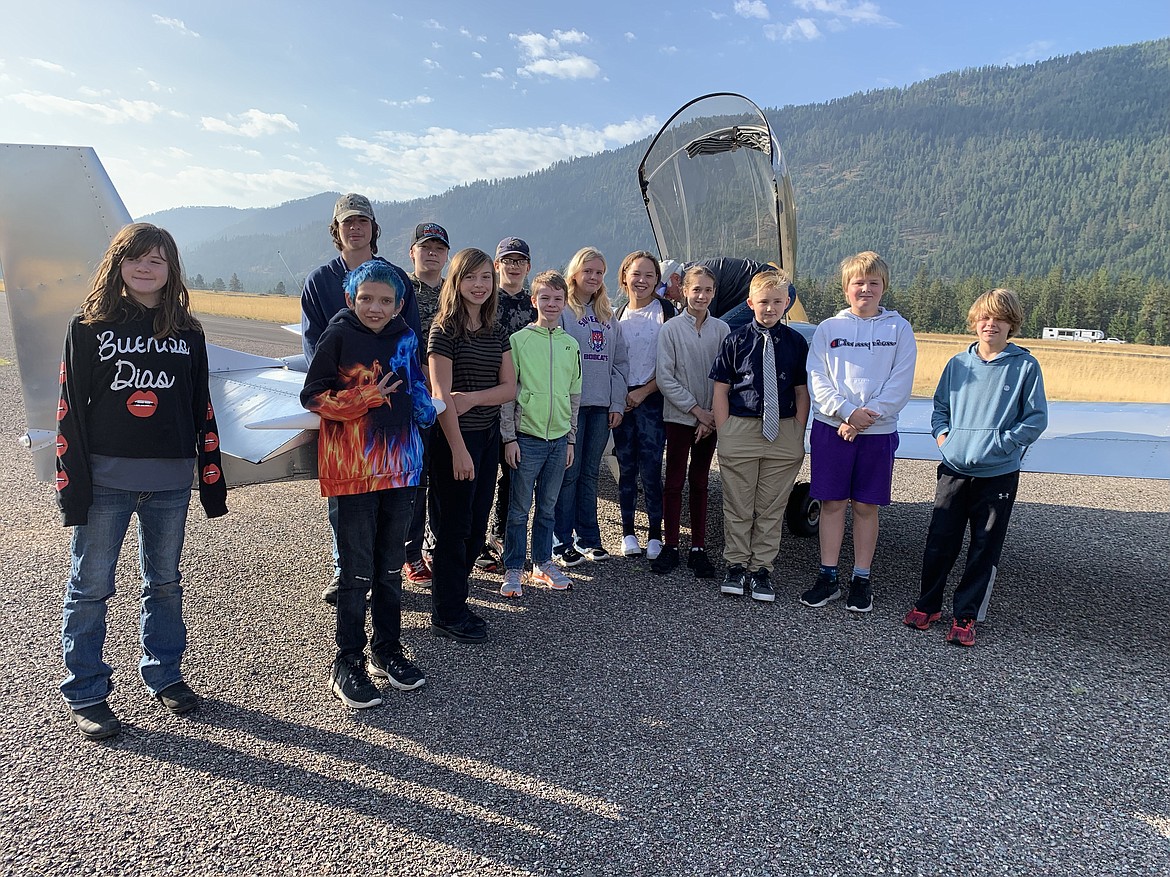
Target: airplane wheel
803,513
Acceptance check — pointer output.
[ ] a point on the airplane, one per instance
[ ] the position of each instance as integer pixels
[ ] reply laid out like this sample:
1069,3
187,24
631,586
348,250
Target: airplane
714,182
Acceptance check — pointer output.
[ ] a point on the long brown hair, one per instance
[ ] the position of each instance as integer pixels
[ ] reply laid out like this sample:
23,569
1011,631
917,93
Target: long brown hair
625,266
452,313
602,308
108,301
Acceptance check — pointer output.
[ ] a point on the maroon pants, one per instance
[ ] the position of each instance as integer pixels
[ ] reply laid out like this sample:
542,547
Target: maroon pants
680,443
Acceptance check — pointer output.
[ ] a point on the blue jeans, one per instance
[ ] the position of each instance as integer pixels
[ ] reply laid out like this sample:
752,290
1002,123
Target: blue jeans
371,538
638,442
162,517
577,503
740,315
541,469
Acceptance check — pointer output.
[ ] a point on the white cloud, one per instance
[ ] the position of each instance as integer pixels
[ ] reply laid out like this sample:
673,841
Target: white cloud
863,12
141,182
476,55
479,38
496,73
630,36
431,24
668,50
436,46
48,65
111,113
751,9
174,24
1034,51
547,56
431,64
718,16
421,100
801,29
251,123
416,165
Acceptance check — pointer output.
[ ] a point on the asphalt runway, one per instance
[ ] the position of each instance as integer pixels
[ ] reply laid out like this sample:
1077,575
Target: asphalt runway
636,725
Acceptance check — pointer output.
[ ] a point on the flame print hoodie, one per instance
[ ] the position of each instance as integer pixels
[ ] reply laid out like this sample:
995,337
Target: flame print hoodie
367,441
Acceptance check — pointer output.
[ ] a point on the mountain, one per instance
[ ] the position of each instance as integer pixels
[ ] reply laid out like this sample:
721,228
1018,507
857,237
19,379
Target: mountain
991,171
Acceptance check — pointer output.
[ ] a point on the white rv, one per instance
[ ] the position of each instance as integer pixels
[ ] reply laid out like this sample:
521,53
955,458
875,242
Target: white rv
1073,334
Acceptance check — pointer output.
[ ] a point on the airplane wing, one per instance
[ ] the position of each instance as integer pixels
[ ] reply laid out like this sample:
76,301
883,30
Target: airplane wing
46,277
1119,439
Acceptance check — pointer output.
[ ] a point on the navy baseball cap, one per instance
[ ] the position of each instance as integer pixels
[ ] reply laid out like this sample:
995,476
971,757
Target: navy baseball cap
512,246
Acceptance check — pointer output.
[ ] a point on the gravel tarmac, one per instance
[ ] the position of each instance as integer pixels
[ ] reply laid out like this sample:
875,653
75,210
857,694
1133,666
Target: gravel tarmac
638,724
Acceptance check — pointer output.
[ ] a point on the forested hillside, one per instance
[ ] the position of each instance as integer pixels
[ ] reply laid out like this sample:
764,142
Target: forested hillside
1056,169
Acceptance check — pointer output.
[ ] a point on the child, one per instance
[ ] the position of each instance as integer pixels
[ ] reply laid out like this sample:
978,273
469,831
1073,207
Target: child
537,429
686,349
860,370
135,422
760,405
471,371
589,319
988,408
639,440
366,383
514,313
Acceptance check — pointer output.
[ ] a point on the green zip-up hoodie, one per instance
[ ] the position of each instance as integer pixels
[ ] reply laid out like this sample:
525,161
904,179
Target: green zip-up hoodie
548,385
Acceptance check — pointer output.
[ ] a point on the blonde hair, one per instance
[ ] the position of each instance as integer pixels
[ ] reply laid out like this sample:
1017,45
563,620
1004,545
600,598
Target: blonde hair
108,302
697,271
452,314
999,304
602,308
766,280
864,264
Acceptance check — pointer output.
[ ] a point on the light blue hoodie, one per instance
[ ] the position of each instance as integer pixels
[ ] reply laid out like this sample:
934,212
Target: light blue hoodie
991,410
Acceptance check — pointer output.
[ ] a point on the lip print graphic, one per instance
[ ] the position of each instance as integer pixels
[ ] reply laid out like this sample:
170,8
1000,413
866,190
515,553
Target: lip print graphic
62,480
62,446
210,442
61,376
211,474
210,412
62,409
142,403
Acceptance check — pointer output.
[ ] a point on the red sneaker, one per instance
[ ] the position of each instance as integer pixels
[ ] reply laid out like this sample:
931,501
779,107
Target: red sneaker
962,632
419,573
918,619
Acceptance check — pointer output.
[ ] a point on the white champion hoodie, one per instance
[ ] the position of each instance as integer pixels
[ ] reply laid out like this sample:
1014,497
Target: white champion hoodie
854,362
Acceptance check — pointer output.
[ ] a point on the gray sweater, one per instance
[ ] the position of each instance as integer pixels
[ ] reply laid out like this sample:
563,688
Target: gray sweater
603,359
685,356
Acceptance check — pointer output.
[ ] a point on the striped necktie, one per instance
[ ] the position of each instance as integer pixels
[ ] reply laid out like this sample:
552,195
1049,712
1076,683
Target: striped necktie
771,389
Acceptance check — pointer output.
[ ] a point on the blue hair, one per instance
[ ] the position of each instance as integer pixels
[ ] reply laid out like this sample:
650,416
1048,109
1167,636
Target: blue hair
375,271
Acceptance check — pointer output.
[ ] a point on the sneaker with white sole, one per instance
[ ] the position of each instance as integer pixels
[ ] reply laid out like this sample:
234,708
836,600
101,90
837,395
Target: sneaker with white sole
597,554
396,668
351,683
736,581
513,585
860,597
823,592
550,575
568,556
630,547
653,548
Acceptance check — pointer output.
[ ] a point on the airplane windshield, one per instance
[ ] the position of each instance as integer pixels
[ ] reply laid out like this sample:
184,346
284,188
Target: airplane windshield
715,184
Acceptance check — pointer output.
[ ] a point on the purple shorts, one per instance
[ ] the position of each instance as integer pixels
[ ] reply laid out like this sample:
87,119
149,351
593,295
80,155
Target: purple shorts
861,470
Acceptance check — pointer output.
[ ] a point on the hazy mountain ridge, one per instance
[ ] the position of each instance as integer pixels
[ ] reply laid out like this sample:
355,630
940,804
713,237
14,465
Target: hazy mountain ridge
988,171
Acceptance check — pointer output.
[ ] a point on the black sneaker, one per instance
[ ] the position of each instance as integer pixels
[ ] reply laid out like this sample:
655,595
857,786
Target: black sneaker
665,562
398,669
466,631
736,581
487,561
351,683
97,721
701,564
329,595
762,589
823,592
178,698
568,556
860,597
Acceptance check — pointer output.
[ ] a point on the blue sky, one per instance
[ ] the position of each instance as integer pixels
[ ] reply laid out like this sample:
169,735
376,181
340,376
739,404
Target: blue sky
250,104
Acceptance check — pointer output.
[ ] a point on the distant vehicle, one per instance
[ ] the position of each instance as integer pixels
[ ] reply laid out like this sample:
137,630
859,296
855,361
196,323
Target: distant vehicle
1111,341
1075,335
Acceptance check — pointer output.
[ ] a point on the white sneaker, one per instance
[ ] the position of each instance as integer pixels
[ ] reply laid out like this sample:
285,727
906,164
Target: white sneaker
653,548
630,547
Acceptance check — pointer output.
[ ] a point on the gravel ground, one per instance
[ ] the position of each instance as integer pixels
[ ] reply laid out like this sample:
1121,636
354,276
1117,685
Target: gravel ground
637,725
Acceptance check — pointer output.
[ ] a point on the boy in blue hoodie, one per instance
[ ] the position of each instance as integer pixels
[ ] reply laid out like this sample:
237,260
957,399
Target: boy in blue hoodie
366,383
988,408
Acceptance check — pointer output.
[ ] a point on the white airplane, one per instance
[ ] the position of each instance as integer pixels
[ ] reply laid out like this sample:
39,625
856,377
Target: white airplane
714,181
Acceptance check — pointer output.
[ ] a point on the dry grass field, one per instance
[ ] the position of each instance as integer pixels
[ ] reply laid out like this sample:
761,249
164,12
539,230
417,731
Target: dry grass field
1072,370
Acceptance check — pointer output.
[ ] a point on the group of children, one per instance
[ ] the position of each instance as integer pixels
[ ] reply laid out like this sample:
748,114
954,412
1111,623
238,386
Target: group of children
537,394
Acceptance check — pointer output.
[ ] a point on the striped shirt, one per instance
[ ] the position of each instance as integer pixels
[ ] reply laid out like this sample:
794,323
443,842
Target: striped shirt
475,365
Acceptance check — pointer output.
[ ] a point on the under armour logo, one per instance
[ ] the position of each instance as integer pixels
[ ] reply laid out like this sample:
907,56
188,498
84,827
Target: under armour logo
1005,496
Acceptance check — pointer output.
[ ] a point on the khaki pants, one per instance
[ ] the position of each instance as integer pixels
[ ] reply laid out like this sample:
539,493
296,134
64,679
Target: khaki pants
757,478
